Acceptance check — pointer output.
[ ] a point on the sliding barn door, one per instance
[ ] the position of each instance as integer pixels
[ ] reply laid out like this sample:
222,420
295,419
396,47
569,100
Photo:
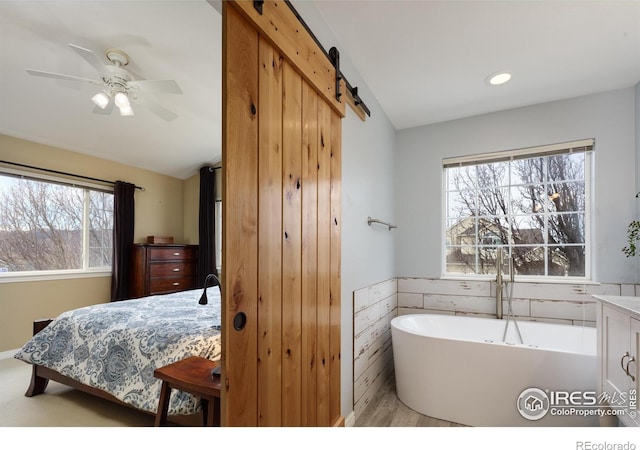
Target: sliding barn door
281,232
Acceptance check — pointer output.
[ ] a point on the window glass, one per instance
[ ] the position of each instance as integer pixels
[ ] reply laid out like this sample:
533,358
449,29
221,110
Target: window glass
535,207
48,225
100,229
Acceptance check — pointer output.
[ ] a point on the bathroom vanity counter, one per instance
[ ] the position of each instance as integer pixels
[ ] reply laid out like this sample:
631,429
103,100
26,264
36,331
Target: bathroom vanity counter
625,304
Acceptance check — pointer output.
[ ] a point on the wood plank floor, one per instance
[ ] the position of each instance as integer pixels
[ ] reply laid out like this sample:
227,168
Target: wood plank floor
386,410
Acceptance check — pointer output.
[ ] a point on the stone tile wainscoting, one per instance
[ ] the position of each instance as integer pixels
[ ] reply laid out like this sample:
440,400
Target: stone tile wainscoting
373,308
544,302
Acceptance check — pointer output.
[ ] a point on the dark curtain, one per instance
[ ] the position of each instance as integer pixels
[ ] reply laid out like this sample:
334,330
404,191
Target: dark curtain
123,222
207,225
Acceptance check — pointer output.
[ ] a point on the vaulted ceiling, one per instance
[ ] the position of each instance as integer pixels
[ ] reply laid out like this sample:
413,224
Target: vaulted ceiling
175,40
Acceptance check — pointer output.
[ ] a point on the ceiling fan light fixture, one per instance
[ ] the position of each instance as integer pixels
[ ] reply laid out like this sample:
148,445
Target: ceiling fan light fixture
101,99
126,111
117,84
122,101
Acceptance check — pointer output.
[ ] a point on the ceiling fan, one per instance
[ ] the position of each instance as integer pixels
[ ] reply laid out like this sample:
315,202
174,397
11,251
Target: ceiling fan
118,84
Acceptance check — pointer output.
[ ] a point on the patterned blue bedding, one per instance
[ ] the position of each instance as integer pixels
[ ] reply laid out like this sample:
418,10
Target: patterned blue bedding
116,346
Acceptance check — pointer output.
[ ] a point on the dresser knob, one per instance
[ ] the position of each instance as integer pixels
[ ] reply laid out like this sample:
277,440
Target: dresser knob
176,270
176,284
176,254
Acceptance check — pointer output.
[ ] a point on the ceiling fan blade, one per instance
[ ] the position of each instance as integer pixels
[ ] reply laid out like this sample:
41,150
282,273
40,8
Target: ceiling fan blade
158,110
59,76
89,57
157,86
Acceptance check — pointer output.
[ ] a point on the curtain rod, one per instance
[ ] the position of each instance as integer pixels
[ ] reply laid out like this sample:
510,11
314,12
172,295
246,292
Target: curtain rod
212,166
58,172
333,56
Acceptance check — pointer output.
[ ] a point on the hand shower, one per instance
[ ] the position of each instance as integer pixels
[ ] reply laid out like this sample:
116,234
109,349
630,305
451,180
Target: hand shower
509,297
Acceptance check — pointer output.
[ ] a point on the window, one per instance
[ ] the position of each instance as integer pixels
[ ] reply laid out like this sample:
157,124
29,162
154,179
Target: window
533,203
50,225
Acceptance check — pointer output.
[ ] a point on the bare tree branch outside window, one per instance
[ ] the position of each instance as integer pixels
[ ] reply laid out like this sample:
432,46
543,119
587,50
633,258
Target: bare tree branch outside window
42,226
533,207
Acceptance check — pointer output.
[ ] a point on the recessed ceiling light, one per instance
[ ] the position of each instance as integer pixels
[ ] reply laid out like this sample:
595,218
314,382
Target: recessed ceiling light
499,78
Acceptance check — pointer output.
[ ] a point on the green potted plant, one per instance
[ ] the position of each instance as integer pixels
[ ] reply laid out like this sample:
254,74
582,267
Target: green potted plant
633,235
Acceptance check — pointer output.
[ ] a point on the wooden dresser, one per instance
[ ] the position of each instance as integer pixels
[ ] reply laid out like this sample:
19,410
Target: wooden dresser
162,268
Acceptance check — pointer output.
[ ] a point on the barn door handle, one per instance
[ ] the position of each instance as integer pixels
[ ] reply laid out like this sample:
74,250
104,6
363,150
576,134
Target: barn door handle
239,321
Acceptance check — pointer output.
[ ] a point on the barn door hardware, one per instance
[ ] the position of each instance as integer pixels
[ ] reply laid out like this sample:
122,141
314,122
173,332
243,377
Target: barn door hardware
257,4
354,93
334,56
357,100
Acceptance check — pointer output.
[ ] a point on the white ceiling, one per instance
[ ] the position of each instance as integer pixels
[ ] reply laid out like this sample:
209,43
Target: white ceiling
177,40
425,61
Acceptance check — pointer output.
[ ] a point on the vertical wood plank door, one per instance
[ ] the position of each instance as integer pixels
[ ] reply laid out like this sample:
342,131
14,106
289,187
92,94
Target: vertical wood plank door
281,233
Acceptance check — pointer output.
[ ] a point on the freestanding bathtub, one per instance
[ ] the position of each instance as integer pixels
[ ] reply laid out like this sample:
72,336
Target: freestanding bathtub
458,368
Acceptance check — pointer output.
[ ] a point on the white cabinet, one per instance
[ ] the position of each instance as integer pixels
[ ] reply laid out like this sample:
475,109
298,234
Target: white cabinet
635,365
619,342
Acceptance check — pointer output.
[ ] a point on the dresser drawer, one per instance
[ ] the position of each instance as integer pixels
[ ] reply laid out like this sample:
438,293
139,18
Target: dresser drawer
162,285
167,253
172,269
161,269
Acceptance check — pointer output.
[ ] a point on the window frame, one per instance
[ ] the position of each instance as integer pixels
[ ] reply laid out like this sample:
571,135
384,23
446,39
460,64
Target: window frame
586,146
44,275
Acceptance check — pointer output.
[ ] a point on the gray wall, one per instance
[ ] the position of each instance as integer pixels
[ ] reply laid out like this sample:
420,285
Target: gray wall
608,117
637,125
397,177
367,190
637,121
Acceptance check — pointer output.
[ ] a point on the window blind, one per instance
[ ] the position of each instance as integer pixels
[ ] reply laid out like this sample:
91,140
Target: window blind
583,145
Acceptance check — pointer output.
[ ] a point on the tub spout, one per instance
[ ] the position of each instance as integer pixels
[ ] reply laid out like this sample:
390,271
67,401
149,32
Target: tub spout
499,283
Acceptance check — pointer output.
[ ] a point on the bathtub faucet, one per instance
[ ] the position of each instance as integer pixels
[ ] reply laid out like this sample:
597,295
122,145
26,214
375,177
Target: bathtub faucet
499,283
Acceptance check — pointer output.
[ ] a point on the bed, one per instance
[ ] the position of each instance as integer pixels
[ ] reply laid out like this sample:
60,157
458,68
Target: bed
111,350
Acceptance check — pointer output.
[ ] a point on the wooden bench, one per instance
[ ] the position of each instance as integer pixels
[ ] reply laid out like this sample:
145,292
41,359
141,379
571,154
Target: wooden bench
194,376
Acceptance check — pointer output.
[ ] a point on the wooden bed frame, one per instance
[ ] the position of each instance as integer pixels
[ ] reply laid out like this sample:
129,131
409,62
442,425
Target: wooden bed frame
40,377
